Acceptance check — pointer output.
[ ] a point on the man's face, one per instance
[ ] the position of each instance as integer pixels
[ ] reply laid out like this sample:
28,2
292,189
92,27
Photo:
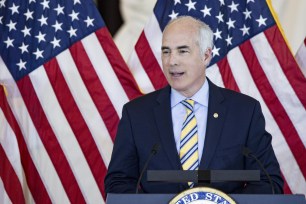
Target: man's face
183,65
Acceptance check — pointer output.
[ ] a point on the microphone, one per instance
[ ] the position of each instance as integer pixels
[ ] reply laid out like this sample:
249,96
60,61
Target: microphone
153,152
247,153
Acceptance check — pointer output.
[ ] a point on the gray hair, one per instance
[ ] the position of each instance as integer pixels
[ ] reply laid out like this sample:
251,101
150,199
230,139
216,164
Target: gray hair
205,38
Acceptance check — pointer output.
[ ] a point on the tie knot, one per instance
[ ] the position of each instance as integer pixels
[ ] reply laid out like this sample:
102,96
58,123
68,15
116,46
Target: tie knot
188,103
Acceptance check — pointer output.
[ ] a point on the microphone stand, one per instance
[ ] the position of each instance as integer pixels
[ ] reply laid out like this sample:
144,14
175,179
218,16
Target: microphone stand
153,152
247,152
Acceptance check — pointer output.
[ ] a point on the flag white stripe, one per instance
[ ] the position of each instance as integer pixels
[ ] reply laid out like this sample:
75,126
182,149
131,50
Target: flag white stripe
213,73
36,149
105,72
301,58
85,104
240,68
9,143
3,195
65,135
288,164
153,34
284,90
140,75
284,155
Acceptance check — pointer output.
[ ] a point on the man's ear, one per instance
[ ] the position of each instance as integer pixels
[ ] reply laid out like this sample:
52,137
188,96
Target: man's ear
207,56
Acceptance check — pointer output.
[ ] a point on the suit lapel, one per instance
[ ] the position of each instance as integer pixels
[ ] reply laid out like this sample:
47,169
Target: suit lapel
163,120
215,121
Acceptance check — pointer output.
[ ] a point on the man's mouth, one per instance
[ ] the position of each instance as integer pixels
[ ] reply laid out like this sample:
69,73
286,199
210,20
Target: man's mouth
176,74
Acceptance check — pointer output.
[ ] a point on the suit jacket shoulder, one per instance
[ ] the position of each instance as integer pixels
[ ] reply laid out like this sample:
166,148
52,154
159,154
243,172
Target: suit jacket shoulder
151,99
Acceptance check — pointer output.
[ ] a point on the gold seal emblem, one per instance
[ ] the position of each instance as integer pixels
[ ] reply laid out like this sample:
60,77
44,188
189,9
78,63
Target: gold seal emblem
202,195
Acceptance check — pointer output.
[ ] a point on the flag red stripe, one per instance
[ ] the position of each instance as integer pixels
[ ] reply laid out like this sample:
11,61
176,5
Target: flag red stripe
76,122
95,88
151,66
49,140
274,105
284,56
32,176
227,75
118,64
10,180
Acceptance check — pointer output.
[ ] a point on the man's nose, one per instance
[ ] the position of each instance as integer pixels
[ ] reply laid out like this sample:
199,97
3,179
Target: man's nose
173,59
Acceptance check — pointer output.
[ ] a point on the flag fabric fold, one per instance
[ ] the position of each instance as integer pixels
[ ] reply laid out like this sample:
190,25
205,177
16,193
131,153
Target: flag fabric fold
250,56
301,57
63,85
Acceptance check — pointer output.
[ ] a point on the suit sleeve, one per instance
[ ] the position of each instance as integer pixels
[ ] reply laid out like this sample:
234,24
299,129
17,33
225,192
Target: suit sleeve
123,170
259,142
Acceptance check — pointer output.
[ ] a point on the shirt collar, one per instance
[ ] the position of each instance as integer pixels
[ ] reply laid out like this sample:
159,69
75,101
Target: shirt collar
200,97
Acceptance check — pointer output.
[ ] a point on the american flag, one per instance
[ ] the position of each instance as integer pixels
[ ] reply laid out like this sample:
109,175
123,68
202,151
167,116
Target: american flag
301,57
62,87
250,56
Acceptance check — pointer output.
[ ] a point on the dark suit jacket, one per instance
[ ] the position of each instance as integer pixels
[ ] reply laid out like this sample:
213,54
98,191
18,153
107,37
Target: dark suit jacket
147,121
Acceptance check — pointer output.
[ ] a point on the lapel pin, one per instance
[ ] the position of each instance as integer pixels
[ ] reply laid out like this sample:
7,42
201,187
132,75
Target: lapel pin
216,115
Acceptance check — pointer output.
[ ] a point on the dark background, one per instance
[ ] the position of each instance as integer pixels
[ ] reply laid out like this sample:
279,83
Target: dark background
110,12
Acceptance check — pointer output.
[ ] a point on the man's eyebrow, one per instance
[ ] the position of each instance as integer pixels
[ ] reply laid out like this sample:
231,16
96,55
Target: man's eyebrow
183,47
164,48
179,47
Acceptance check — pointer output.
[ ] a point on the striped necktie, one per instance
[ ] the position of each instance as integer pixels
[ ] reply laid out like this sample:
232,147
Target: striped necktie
189,155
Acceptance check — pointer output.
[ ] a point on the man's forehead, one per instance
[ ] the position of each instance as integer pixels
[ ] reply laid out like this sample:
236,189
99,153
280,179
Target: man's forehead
182,24
179,38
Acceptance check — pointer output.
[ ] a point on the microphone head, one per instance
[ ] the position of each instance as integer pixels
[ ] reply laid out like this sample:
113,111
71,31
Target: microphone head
155,148
246,151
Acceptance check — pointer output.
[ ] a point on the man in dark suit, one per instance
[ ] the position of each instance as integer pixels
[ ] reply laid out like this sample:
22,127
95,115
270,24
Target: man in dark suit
223,122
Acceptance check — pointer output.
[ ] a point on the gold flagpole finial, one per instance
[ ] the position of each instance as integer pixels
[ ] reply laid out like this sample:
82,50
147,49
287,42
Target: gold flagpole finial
4,89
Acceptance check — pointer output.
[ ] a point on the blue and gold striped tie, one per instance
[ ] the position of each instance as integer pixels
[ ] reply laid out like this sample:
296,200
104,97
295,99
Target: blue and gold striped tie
189,140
